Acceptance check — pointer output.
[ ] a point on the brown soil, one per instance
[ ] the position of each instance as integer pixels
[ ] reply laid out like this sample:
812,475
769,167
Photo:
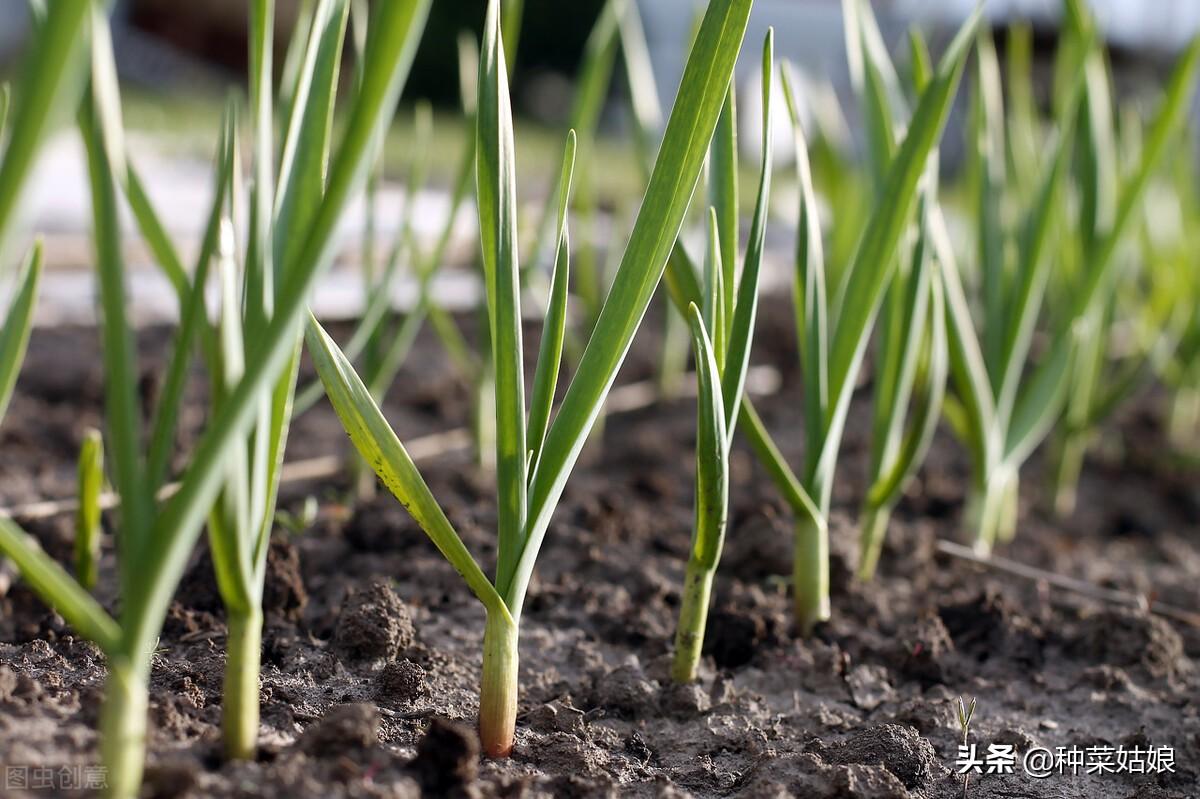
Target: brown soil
372,644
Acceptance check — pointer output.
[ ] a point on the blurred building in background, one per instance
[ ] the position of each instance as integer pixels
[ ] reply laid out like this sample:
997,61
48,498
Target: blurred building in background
167,45
170,45
1143,36
1156,26
810,33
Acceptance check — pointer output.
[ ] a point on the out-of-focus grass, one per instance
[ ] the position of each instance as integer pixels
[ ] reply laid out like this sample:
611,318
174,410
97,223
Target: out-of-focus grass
182,124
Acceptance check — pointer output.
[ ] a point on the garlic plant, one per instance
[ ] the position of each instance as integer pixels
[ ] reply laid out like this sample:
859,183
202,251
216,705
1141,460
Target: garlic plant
531,467
722,335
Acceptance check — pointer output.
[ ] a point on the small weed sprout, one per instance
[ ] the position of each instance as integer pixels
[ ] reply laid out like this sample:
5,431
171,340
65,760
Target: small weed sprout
965,713
296,523
87,515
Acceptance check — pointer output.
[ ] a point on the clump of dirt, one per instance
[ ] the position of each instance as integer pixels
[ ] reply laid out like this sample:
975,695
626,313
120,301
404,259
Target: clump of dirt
374,624
344,729
401,681
988,625
732,636
923,650
625,691
901,750
807,775
283,589
447,760
1127,638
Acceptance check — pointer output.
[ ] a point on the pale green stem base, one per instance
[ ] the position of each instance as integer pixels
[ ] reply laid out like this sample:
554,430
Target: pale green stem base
810,574
1010,507
1071,452
123,729
498,689
693,616
239,705
874,529
992,511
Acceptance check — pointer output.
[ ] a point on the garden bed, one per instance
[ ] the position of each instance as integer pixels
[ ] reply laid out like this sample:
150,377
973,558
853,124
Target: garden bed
372,644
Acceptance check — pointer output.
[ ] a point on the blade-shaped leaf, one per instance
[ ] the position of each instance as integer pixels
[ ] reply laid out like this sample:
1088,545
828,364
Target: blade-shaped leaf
920,62
122,402
901,349
90,484
714,285
809,296
1033,266
1023,131
260,277
929,396
496,193
545,376
155,234
745,309
18,322
977,420
990,152
294,57
193,319
1039,406
230,517
1177,97
302,167
514,14
51,80
378,445
58,589
712,451
723,196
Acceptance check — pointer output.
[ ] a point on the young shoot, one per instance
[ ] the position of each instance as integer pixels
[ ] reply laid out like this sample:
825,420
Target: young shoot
87,515
965,713
834,330
18,323
535,453
722,357
52,79
911,360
